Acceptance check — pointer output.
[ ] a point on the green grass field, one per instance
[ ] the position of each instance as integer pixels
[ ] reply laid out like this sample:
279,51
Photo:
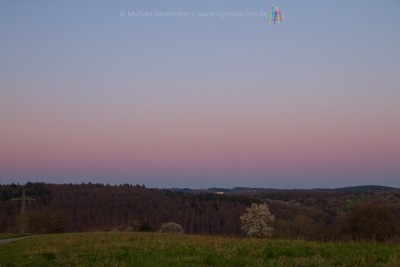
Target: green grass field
148,249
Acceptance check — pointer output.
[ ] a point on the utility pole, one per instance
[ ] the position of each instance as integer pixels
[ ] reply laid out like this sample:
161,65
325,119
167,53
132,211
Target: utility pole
348,202
23,200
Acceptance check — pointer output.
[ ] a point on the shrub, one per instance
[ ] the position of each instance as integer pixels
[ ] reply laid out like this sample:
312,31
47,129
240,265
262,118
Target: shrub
134,225
375,222
145,227
171,227
303,227
43,221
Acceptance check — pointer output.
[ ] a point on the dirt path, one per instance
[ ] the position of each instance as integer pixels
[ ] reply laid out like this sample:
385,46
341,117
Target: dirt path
9,240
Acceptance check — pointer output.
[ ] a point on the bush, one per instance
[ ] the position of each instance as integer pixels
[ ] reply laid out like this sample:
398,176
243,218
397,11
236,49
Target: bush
43,221
145,227
303,227
134,225
171,227
375,222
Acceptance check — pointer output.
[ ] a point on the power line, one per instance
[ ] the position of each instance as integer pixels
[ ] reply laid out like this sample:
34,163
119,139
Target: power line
23,200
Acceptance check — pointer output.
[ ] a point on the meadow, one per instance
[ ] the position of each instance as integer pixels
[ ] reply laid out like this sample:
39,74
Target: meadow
154,249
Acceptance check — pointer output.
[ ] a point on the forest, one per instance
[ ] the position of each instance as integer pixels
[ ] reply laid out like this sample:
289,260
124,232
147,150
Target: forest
321,215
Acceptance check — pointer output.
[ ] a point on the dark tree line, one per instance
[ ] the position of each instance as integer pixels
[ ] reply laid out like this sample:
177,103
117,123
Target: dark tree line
93,207
300,214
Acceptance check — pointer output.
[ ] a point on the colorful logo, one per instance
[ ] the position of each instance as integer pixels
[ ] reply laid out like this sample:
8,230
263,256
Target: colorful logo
276,14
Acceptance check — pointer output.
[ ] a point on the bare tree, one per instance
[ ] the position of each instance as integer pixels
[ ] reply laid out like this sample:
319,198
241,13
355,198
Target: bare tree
257,221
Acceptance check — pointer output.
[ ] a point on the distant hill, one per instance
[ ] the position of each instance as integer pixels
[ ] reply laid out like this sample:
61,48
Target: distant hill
251,190
365,188
226,191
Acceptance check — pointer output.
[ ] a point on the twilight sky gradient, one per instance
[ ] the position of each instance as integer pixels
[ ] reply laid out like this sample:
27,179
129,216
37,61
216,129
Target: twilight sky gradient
89,95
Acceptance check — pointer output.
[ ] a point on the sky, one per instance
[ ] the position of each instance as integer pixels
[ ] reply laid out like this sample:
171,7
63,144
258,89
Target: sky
131,92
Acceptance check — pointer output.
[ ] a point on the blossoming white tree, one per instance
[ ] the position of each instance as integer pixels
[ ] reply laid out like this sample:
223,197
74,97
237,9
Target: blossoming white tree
257,221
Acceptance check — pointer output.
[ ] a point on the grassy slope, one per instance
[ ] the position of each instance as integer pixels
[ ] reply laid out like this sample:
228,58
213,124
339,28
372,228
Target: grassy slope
141,249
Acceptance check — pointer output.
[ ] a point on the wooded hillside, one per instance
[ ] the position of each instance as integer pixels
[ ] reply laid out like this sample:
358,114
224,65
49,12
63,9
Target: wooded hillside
300,214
